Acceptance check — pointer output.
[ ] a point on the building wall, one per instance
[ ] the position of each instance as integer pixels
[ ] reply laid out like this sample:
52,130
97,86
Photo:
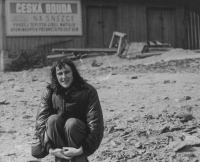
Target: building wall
192,28
131,19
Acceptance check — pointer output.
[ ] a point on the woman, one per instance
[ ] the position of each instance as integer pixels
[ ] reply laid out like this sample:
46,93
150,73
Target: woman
69,121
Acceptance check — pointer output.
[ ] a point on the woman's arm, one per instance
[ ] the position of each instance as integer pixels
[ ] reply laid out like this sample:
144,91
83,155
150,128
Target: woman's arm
95,124
44,111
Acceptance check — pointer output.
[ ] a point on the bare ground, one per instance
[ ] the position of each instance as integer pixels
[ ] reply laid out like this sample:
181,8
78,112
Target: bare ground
150,106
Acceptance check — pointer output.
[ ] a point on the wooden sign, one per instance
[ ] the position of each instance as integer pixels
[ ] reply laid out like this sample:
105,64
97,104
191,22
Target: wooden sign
43,18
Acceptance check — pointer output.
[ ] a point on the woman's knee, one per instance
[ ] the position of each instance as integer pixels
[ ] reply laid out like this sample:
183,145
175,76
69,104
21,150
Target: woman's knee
71,123
74,125
53,119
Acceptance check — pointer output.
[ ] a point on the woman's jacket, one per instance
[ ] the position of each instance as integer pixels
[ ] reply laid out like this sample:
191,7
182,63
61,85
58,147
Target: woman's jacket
78,102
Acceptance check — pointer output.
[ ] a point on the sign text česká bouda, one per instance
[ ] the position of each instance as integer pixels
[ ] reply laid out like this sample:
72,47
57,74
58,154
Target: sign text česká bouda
44,18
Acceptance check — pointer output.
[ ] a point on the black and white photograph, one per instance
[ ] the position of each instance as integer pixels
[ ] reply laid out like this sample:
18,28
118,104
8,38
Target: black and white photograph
99,81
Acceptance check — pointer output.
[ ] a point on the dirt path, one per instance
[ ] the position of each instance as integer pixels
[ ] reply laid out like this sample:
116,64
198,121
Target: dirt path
142,104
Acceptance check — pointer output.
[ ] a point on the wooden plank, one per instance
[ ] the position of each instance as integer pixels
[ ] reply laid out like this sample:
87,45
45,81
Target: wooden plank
122,35
73,57
112,40
160,48
148,54
56,56
156,43
84,50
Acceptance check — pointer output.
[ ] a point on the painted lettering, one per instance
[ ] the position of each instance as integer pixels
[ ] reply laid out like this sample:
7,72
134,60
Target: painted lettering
37,18
60,18
29,8
58,8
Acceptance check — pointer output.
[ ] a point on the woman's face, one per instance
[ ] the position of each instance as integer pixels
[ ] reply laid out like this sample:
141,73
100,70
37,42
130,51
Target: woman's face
64,76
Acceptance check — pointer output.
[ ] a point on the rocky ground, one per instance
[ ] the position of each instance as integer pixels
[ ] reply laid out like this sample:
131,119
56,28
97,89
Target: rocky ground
150,105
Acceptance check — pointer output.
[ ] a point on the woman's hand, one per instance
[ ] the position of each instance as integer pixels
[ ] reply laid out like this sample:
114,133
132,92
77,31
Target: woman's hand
71,152
59,153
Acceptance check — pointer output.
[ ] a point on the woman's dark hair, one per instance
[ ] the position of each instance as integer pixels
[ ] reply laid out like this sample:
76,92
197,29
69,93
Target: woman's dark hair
77,79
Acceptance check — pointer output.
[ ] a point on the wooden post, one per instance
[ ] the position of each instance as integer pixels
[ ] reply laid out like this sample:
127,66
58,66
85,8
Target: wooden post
2,33
198,28
2,25
1,38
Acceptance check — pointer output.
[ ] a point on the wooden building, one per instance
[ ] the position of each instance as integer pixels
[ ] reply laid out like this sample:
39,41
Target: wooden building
170,21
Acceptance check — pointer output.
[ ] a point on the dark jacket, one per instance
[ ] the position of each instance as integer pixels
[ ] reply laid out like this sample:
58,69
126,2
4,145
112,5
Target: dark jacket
78,102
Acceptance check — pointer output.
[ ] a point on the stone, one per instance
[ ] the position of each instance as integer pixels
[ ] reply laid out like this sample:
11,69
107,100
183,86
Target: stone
18,89
138,145
176,145
111,129
162,129
113,143
192,140
11,79
177,100
134,77
194,160
27,116
34,79
184,117
175,127
3,101
141,151
166,81
189,129
120,128
187,98
164,98
2,87
95,63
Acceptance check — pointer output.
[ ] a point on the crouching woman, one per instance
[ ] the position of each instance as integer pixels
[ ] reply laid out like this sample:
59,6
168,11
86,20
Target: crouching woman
69,121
